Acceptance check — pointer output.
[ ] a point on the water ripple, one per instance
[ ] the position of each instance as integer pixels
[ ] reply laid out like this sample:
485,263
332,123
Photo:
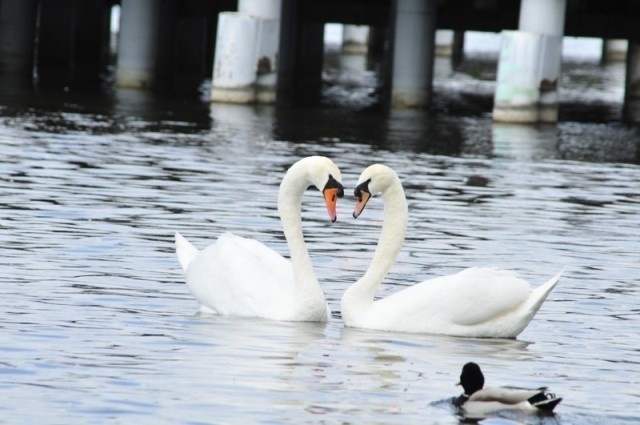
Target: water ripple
98,325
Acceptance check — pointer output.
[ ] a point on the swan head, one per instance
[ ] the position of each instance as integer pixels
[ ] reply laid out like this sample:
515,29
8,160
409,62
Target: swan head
471,378
322,173
374,179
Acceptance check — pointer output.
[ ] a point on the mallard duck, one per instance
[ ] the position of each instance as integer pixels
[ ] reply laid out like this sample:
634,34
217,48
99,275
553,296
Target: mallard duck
479,401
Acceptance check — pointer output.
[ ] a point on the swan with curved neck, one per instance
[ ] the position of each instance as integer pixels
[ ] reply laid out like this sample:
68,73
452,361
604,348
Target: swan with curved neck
237,276
476,302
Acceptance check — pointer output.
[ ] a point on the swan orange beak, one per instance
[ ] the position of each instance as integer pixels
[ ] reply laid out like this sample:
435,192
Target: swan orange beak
363,198
331,199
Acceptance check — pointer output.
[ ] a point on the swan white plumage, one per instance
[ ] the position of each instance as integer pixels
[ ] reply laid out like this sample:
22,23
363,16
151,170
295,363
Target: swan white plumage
476,302
237,276
479,401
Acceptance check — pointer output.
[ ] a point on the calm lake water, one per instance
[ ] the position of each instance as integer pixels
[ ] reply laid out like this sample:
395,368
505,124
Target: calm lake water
98,325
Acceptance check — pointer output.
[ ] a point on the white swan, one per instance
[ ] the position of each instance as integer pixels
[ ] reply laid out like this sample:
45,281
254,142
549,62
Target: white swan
236,276
479,401
476,302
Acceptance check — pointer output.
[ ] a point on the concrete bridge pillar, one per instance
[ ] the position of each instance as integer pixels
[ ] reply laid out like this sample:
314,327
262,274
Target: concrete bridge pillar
613,50
268,44
300,56
71,41
355,39
530,63
247,43
413,53
17,37
450,43
377,49
631,110
138,44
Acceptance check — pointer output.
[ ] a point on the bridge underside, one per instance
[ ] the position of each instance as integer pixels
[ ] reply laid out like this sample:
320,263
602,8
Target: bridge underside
67,41
614,19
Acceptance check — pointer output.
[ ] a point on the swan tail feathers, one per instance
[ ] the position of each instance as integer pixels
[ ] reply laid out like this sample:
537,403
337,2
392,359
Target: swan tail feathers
540,294
185,251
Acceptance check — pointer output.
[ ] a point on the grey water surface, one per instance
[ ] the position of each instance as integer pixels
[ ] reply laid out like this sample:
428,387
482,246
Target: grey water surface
97,325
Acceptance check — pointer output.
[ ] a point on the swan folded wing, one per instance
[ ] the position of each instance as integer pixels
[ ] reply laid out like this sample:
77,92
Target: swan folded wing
477,295
471,297
240,276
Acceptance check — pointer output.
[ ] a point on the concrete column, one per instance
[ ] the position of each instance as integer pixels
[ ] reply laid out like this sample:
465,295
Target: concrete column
310,57
267,9
631,110
191,56
138,43
355,39
17,37
444,42
71,39
247,43
300,56
413,51
450,43
377,48
530,63
90,55
457,48
55,42
542,16
613,50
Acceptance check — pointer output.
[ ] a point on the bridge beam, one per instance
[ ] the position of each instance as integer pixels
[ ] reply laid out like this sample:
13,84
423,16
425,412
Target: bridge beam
530,63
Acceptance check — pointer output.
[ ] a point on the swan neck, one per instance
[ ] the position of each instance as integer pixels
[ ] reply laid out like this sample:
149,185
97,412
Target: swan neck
290,195
392,235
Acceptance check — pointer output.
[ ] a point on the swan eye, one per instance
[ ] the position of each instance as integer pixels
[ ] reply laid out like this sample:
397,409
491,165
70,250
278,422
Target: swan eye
362,187
332,183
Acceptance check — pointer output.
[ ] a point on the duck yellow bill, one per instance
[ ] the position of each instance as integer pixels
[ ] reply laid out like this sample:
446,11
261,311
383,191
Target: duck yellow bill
362,202
331,199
